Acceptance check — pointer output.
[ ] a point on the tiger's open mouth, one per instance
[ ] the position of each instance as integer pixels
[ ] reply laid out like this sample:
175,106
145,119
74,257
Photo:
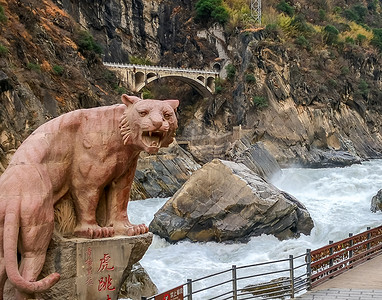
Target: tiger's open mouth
153,138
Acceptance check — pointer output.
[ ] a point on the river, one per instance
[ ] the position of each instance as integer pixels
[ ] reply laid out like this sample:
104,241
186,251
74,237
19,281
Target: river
338,200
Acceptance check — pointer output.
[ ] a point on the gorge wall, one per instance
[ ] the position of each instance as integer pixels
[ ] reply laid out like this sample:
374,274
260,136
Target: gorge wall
315,113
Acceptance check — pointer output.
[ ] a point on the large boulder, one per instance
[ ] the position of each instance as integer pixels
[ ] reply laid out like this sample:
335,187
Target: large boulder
227,201
376,202
254,156
163,174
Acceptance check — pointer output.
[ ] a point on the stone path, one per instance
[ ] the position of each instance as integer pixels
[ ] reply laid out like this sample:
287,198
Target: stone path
363,282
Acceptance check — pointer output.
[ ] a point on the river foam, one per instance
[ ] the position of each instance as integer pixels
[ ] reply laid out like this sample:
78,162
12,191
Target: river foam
338,200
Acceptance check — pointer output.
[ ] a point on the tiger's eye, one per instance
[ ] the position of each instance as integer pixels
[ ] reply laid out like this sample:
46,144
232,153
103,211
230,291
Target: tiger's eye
167,115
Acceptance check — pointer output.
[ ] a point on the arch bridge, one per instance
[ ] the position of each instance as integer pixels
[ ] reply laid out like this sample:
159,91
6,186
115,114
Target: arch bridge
138,76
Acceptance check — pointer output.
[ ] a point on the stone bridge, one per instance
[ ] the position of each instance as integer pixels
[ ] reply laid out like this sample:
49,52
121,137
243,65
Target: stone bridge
138,76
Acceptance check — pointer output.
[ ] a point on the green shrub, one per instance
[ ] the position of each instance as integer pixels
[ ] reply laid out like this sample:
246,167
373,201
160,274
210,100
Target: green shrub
272,30
360,39
322,15
218,85
345,70
220,15
140,61
231,71
260,101
363,88
377,38
331,34
250,78
147,94
3,18
86,42
351,15
302,42
332,82
211,10
299,23
3,50
361,11
357,13
34,67
372,5
120,90
337,10
349,40
58,70
285,7
218,89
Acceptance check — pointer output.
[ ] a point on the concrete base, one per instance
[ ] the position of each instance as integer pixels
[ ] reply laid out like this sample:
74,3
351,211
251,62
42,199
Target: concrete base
92,268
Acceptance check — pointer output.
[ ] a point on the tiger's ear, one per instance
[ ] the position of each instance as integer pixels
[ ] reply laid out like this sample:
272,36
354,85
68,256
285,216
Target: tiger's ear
128,100
173,103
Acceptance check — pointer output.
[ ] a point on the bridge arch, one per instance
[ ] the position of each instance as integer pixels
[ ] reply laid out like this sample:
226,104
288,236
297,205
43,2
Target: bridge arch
137,76
198,84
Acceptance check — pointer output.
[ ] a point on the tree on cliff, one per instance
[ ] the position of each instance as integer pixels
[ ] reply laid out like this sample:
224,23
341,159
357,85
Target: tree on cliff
207,10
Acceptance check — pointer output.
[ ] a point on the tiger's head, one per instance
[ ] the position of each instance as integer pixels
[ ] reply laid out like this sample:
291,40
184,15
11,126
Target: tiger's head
148,124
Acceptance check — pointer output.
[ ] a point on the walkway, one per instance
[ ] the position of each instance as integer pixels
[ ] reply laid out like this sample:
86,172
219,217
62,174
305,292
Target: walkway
363,282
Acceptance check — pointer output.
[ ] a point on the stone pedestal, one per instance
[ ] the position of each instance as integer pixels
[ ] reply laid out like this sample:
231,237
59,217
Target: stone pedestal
92,268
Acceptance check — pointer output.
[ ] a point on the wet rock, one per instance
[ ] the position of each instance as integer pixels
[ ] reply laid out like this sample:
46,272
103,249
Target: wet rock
227,201
254,157
331,158
376,202
163,174
137,285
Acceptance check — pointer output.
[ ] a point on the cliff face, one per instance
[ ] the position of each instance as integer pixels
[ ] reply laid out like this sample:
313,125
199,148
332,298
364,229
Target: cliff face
159,31
43,73
314,109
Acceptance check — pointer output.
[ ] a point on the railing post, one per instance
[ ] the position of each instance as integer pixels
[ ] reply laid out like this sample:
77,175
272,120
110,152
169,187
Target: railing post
234,282
331,252
143,298
308,269
189,289
291,275
368,238
350,251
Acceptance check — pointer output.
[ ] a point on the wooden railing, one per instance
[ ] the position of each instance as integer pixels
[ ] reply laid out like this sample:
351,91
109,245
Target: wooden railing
336,258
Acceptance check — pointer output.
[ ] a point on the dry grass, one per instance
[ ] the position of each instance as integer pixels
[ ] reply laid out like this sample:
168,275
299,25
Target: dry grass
64,216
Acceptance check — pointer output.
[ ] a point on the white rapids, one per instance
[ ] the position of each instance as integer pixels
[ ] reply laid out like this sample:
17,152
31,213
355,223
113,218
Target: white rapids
338,200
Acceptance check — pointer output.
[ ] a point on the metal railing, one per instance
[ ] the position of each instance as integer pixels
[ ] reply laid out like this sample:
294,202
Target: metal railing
336,258
158,68
294,274
250,281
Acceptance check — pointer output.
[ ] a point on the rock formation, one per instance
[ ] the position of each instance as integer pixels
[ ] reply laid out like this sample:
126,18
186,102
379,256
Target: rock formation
163,174
376,202
227,201
138,284
254,156
314,110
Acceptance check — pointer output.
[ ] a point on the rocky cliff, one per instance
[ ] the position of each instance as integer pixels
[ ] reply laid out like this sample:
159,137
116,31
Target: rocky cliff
306,105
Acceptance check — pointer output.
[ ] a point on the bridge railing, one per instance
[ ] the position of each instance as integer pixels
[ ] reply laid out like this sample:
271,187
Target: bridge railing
281,279
158,68
247,282
336,258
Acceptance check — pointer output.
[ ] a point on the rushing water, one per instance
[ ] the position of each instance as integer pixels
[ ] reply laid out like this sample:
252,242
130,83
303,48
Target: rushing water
338,200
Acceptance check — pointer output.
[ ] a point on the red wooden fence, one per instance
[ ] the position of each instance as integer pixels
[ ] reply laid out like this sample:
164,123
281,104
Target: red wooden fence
336,258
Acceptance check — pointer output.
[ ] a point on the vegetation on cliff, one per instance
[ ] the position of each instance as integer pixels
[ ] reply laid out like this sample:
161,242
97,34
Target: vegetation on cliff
315,55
